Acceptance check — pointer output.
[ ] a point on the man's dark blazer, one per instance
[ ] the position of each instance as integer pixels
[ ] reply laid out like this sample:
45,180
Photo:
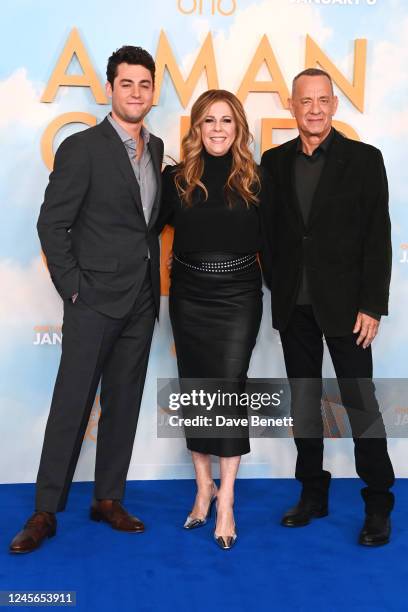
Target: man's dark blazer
346,245
91,225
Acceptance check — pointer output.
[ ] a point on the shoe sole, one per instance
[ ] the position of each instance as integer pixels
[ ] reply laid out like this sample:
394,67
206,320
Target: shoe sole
27,552
374,544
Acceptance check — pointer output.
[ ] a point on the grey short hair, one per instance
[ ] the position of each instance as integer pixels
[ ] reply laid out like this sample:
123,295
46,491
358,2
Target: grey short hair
312,72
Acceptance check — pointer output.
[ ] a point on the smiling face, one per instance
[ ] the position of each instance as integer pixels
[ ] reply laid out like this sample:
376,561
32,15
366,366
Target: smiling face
218,128
132,93
313,106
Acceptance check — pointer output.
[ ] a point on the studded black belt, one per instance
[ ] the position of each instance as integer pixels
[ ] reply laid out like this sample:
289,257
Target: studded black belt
229,265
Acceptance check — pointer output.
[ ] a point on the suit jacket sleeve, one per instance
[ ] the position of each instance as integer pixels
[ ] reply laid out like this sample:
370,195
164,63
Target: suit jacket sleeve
266,212
377,250
64,196
169,194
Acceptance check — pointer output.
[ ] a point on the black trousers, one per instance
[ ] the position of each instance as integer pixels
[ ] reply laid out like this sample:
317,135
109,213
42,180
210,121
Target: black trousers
95,345
302,343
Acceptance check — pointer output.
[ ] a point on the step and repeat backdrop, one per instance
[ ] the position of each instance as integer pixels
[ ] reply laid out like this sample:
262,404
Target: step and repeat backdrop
52,74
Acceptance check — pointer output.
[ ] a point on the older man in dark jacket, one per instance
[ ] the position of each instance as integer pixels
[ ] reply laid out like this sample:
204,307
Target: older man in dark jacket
328,260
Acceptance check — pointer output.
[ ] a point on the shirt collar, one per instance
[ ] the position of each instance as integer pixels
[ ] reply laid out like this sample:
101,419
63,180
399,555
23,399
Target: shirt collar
322,148
124,135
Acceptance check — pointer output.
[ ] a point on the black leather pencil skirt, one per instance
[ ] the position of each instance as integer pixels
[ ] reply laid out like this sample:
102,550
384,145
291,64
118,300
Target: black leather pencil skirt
215,311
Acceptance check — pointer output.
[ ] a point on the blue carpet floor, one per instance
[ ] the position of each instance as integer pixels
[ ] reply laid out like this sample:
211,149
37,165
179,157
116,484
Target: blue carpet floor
317,568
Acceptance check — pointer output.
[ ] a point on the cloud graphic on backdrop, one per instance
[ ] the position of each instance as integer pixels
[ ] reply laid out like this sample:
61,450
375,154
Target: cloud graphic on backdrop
386,112
29,299
20,102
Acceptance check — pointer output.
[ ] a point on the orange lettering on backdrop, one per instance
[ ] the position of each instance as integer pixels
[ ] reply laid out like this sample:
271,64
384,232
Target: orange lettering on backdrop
88,78
184,127
168,232
346,129
205,61
47,140
165,251
264,54
355,90
44,260
200,7
268,125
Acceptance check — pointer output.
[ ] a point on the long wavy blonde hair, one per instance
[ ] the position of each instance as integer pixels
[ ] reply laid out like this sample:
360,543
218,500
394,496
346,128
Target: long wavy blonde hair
243,181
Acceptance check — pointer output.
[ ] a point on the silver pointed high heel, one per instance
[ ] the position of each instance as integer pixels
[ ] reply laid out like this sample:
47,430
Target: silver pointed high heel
224,542
193,522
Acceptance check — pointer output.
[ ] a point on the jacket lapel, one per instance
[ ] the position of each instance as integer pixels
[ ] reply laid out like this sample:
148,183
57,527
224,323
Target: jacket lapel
330,177
154,153
288,174
122,161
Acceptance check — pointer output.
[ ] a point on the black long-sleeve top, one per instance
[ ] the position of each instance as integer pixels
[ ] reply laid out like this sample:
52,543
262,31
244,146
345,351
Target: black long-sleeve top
211,225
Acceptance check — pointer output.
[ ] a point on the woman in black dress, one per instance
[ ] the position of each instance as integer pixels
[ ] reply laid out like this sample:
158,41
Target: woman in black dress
212,199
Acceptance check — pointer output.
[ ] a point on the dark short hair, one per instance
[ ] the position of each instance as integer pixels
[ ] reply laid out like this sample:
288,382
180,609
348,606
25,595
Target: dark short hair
129,55
312,72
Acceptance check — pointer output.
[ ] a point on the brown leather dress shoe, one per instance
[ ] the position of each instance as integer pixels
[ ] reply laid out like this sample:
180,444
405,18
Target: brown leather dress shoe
39,526
112,512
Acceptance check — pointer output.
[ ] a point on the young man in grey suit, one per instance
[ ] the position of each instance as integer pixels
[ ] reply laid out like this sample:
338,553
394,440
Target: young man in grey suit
97,230
329,267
